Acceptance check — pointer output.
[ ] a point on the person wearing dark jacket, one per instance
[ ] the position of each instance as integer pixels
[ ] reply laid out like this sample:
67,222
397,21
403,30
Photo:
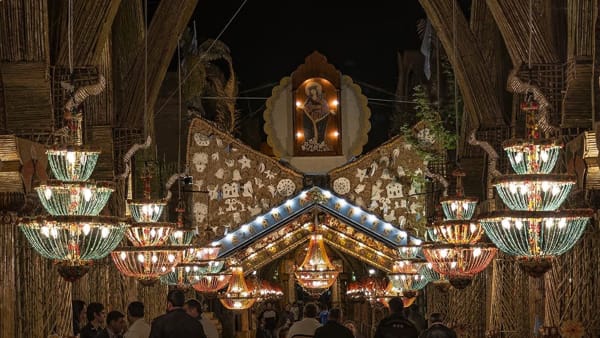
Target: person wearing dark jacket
396,325
176,323
437,329
333,327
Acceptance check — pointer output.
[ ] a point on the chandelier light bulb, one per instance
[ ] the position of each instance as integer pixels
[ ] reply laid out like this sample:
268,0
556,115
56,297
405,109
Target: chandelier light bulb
86,228
518,157
71,158
48,193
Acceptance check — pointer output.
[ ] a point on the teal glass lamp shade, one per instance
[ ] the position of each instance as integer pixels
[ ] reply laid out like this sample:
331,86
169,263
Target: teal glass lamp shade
146,264
150,233
534,192
187,274
459,208
459,261
73,163
532,157
74,198
405,282
144,211
535,234
409,252
430,274
73,238
182,236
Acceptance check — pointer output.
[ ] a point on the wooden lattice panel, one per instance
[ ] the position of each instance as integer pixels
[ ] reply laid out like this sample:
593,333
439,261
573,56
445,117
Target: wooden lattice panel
509,299
26,96
572,291
467,308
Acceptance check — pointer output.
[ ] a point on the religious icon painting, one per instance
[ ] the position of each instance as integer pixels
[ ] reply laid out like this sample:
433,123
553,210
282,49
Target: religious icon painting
317,119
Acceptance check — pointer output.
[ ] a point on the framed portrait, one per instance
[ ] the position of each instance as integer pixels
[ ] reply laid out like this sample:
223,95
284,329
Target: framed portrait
317,119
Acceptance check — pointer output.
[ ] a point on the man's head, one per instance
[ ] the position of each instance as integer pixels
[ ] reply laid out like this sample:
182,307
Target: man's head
436,318
135,311
95,314
193,308
115,321
268,306
335,315
175,299
310,310
396,305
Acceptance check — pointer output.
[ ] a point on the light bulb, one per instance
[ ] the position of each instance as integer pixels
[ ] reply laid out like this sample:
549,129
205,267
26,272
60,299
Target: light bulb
518,224
555,190
545,186
544,155
141,258
123,255
518,157
71,157
45,231
506,223
87,194
48,193
104,232
477,252
86,229
154,259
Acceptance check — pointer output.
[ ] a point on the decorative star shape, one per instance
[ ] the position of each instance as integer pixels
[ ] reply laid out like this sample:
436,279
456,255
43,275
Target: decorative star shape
361,174
245,162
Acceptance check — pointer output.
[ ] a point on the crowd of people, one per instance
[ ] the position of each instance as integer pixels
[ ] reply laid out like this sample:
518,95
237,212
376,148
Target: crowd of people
183,319
327,323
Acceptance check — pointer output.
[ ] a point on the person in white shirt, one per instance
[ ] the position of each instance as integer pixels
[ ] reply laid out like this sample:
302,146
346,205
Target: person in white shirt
194,309
138,328
308,325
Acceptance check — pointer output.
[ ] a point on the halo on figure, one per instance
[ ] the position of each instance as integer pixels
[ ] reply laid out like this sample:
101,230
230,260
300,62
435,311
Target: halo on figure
313,84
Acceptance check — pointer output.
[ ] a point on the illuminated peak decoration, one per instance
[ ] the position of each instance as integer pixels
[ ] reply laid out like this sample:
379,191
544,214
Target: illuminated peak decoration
146,209
74,235
238,296
534,230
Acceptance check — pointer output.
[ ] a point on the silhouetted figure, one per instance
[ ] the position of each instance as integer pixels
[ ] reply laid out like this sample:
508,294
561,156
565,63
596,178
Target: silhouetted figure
396,325
334,328
138,328
176,323
438,329
96,318
115,325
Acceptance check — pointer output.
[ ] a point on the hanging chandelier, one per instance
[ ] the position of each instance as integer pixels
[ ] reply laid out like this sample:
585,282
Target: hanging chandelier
457,254
534,230
316,273
74,235
457,227
210,283
459,263
146,264
238,296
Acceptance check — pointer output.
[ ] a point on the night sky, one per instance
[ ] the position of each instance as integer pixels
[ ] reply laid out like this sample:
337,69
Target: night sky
269,39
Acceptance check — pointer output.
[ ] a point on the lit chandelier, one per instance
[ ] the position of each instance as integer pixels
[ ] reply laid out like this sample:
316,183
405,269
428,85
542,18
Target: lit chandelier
184,275
210,283
238,296
457,253
533,230
316,273
74,235
459,263
149,258
405,277
457,228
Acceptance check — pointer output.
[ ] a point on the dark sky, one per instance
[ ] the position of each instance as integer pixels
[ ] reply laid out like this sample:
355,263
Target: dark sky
269,39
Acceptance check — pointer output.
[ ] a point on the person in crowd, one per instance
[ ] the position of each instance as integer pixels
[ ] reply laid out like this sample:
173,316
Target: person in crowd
138,328
261,331
307,325
79,316
96,317
176,323
115,325
438,329
194,309
270,317
396,325
333,327
296,311
352,326
323,315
